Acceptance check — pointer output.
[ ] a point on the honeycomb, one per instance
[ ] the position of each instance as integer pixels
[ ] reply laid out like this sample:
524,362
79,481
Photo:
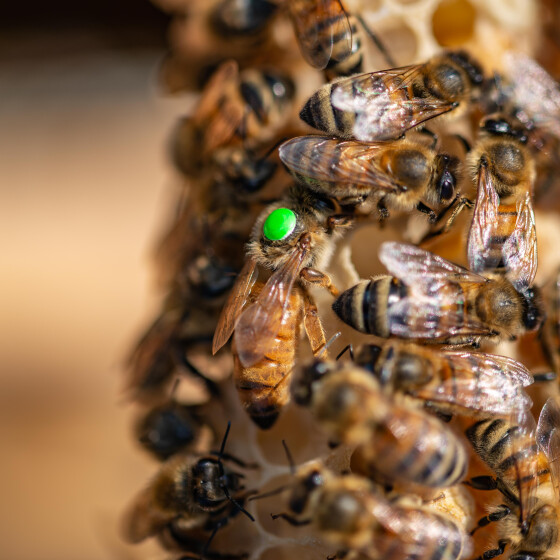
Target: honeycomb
412,31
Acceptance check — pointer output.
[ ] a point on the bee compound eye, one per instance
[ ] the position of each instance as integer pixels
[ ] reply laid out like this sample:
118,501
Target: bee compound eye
279,224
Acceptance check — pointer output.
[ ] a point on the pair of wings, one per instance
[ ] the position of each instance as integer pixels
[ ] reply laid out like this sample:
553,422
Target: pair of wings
434,290
533,91
335,160
518,253
318,24
257,325
383,110
480,382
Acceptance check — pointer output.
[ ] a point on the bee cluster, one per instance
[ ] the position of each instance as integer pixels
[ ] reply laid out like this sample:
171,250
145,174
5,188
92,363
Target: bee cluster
302,435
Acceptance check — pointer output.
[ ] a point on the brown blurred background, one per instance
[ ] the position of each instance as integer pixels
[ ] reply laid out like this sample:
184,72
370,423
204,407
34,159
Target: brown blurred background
83,172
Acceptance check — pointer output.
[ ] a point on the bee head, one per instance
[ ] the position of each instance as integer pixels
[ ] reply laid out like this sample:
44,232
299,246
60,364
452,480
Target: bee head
498,125
446,177
534,313
304,386
209,478
303,488
469,65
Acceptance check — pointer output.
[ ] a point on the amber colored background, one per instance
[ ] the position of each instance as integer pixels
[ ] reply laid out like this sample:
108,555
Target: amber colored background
83,180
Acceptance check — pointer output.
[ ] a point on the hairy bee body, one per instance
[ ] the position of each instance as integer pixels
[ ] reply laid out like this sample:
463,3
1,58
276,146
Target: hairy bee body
264,388
395,440
383,105
436,301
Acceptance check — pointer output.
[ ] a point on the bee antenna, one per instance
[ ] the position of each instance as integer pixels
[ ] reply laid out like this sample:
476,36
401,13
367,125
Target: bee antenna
289,456
236,503
322,353
348,348
274,492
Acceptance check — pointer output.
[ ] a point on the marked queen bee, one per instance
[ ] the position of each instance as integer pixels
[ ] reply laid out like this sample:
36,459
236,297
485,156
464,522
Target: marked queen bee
433,300
350,513
398,176
525,459
384,105
294,239
352,408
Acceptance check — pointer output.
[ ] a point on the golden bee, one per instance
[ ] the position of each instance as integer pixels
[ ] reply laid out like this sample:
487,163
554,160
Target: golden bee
433,300
384,105
401,176
525,460
349,512
352,408
452,382
295,239
247,107
502,236
189,493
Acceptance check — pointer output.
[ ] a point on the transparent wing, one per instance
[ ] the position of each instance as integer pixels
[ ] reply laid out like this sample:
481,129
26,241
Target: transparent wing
484,223
520,249
433,307
331,159
490,224
534,91
416,266
548,439
260,322
481,382
383,109
234,304
317,24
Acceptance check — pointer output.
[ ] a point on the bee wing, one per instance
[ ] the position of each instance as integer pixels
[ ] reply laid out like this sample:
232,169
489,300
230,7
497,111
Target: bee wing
417,266
434,291
330,159
226,74
381,113
548,439
260,322
316,25
524,450
481,382
534,91
519,250
236,300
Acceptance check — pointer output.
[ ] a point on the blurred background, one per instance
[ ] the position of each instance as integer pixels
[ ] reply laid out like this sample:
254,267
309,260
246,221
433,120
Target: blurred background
83,172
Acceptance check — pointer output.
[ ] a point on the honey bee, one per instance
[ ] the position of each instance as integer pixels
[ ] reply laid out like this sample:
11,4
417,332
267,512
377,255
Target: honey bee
247,107
351,406
399,175
467,383
525,461
384,105
550,333
502,236
189,493
433,300
329,37
349,512
295,239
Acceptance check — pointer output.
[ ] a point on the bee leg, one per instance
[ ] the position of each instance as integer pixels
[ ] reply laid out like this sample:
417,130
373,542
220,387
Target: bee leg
290,519
425,210
383,212
348,348
340,220
482,483
182,360
377,41
314,276
544,377
432,135
489,554
313,326
460,204
500,513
